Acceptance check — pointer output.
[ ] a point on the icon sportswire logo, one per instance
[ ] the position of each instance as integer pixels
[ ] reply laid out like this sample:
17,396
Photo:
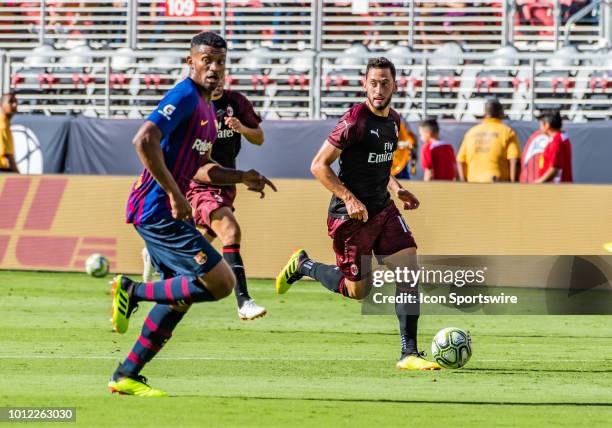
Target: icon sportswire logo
27,240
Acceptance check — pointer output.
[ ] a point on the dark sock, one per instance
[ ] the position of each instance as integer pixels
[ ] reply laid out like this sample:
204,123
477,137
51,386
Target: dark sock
408,317
231,254
329,275
156,331
180,289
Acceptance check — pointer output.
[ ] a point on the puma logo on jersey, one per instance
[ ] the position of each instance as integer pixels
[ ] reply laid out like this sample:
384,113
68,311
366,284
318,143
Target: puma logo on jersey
201,146
375,132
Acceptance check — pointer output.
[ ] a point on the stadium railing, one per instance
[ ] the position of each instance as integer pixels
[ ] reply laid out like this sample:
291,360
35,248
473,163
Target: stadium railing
421,25
302,24
540,25
29,23
446,83
126,83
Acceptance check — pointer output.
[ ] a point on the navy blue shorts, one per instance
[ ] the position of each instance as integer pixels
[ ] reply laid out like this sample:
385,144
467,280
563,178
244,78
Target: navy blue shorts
178,248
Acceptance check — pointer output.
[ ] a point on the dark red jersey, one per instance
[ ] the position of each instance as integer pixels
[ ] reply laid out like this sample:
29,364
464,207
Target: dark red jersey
367,142
227,145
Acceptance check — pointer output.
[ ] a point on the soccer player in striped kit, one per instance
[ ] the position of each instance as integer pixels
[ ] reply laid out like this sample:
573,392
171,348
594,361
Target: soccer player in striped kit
174,145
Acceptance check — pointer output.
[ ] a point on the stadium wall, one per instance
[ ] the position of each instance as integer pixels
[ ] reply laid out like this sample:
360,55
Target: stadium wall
53,222
83,145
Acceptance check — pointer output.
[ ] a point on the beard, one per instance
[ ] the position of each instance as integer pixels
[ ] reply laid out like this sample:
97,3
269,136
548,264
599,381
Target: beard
382,106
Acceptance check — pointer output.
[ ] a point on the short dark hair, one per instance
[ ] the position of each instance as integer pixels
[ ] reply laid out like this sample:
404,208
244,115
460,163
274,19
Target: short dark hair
380,62
493,108
431,124
208,38
552,118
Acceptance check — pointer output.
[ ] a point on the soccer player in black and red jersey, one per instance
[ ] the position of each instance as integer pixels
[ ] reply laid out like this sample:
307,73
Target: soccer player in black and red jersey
363,220
214,205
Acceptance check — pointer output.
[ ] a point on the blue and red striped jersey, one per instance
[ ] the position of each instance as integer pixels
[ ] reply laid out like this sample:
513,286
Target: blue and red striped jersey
189,128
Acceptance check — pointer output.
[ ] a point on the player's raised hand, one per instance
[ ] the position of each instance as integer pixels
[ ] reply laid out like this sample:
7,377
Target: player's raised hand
410,201
256,182
356,209
181,210
233,123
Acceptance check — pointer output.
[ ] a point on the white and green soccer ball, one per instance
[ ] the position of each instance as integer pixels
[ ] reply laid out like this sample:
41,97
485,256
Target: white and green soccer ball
451,347
97,265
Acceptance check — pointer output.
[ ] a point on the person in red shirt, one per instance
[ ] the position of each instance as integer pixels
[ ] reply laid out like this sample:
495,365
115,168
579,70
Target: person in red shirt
556,162
533,156
437,156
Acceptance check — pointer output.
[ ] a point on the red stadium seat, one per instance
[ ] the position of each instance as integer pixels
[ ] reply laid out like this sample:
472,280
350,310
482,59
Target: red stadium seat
48,79
254,81
292,79
229,81
16,79
303,81
118,79
403,83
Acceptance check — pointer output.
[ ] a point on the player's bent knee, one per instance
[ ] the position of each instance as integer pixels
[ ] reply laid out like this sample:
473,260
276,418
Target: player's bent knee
232,234
220,281
403,258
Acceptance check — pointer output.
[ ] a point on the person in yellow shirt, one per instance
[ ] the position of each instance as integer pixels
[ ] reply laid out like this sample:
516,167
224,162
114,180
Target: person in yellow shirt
8,107
490,150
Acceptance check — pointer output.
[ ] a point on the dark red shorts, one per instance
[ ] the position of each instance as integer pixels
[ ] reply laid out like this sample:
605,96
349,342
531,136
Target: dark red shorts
205,200
383,235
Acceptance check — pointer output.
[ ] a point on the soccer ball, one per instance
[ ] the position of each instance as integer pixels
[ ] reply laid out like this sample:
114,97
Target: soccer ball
452,347
97,265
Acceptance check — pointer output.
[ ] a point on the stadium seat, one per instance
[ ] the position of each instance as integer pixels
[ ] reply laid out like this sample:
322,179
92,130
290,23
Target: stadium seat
499,73
599,88
75,69
443,71
558,77
33,76
250,71
402,57
285,101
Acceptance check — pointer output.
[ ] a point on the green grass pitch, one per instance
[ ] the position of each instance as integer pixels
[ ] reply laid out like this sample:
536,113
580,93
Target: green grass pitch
313,361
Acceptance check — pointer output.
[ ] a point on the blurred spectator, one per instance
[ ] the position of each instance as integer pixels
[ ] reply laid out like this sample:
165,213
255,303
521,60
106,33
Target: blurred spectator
64,16
448,24
405,157
490,150
540,12
547,156
8,107
437,156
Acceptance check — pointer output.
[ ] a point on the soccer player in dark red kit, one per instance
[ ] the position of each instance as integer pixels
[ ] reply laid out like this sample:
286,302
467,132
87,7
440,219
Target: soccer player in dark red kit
362,218
214,205
174,145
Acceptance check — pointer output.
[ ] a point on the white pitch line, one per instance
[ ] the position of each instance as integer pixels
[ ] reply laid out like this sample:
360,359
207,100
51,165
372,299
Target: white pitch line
204,358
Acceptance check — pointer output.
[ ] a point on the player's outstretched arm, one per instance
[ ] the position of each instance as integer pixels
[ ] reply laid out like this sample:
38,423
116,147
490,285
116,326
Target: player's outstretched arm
213,173
321,169
410,201
149,151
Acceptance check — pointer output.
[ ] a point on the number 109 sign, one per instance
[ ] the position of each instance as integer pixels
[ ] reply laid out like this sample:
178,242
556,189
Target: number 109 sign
181,8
